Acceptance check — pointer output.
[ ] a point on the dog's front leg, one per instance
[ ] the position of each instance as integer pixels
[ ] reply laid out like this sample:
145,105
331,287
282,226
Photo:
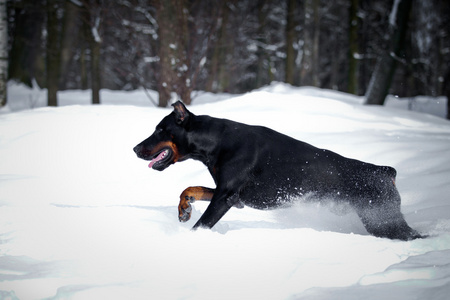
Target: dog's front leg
220,204
190,195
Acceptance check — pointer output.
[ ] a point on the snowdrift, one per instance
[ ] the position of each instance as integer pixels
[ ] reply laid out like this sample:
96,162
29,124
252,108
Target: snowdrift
82,218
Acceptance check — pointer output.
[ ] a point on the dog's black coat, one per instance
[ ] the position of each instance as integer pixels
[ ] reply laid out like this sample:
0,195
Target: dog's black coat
261,168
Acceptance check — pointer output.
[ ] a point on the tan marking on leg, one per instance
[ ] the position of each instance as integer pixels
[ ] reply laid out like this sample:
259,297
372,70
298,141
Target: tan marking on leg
190,195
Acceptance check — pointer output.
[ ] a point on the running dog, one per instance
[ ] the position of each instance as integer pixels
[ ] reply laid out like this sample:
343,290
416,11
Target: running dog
264,169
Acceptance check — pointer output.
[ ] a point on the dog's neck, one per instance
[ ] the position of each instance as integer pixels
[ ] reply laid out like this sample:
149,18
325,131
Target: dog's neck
203,145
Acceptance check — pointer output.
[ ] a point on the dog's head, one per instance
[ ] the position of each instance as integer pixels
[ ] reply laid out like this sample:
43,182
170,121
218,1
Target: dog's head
168,144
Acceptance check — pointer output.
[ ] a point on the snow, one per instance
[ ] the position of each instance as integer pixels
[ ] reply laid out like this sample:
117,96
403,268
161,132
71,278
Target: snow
94,30
81,217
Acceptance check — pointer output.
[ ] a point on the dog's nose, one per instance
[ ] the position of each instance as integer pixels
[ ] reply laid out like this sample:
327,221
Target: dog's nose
136,149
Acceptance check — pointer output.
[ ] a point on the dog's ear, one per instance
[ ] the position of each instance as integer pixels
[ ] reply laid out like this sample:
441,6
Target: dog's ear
181,112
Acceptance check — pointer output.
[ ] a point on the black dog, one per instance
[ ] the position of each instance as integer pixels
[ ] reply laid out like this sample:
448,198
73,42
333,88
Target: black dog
261,168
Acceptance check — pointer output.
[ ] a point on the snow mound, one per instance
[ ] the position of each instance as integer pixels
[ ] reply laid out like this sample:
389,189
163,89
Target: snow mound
82,218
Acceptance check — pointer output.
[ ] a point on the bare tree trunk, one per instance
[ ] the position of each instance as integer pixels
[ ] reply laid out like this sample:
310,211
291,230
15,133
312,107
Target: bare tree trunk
381,79
83,69
95,72
95,41
310,63
84,36
446,91
70,29
165,15
3,53
353,49
316,39
25,61
212,84
260,53
290,36
52,53
184,68
173,51
219,79
445,34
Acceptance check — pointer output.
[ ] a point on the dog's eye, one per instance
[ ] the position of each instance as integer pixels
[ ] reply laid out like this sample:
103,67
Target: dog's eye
161,131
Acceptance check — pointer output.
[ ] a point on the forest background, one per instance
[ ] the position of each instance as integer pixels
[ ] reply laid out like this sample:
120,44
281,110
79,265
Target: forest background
362,47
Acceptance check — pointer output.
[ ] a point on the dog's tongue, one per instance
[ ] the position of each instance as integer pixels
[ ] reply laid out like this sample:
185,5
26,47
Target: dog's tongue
158,158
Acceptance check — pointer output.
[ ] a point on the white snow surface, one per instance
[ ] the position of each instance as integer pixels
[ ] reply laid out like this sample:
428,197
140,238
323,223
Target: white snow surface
81,217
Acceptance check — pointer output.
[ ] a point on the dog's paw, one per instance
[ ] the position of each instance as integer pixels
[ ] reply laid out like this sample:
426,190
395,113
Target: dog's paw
184,214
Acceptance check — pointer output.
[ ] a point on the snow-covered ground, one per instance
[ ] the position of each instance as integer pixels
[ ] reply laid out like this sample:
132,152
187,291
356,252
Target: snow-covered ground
82,218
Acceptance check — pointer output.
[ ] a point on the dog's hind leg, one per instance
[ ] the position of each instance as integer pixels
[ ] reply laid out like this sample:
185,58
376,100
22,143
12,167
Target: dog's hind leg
379,208
388,222
190,195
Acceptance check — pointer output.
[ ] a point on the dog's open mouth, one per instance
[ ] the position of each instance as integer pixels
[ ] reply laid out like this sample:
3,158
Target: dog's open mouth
160,158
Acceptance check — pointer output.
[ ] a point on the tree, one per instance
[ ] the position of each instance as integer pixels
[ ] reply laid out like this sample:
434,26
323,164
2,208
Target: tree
290,39
53,56
185,32
261,32
168,47
219,76
444,8
70,29
382,76
353,48
447,92
310,63
176,46
27,46
3,53
94,17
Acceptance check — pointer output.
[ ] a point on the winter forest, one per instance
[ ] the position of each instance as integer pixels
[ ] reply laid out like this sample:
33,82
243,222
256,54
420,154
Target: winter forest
174,47
82,218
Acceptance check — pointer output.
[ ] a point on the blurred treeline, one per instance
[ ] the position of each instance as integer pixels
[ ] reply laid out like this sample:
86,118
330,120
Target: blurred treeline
177,46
